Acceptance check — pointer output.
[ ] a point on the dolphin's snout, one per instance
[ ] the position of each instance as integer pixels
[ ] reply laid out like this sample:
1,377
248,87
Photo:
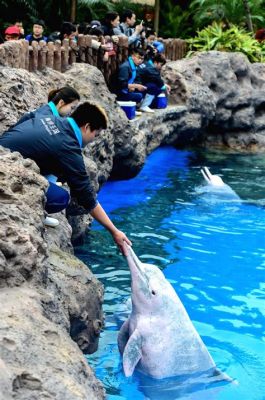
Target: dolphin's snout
214,180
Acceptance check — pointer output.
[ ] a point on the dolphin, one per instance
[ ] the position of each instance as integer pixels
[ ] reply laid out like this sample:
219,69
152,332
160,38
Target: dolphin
158,339
217,187
214,180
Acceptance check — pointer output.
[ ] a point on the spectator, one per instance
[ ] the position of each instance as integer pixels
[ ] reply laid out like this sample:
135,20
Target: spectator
82,28
154,43
68,31
111,22
61,102
55,144
96,24
260,35
37,34
150,75
127,28
149,20
100,43
130,87
19,24
12,33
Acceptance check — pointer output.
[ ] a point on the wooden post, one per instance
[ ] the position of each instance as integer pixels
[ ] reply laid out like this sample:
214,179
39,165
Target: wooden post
88,46
16,54
42,55
65,55
50,55
35,50
24,54
82,47
57,56
90,52
73,50
2,55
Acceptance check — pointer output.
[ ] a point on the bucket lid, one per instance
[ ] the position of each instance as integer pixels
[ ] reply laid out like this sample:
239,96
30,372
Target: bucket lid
127,103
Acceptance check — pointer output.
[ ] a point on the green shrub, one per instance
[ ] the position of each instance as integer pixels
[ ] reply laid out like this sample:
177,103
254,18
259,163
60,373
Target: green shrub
234,39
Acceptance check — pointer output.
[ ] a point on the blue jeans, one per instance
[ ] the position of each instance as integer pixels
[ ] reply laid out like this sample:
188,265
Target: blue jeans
57,199
125,95
152,88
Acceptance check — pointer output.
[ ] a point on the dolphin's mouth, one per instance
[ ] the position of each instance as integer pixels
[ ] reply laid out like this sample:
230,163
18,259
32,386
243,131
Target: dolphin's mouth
136,263
206,174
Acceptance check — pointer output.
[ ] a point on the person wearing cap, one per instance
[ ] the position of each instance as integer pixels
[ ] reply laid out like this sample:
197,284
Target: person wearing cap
37,34
55,144
12,33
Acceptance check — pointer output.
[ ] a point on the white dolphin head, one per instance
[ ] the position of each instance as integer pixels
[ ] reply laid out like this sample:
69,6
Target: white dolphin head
214,180
151,292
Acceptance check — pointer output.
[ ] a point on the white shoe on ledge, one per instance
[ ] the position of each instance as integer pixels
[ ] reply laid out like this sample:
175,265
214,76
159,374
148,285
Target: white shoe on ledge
146,109
51,222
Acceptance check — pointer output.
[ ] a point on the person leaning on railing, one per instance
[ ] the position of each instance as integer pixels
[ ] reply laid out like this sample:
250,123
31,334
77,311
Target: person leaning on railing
12,33
111,21
37,32
55,144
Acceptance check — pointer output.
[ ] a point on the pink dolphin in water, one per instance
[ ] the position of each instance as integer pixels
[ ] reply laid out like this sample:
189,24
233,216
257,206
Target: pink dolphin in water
159,339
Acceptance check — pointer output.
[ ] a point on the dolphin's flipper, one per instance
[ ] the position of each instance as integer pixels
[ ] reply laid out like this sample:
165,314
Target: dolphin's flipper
132,353
123,336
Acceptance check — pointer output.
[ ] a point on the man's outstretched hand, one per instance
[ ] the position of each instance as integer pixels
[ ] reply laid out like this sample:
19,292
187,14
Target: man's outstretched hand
119,237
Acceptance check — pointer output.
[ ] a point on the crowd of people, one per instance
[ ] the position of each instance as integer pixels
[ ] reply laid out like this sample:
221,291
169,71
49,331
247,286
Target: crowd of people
54,134
138,78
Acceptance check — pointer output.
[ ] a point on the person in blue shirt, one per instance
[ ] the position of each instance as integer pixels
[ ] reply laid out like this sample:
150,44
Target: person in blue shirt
37,32
55,144
61,102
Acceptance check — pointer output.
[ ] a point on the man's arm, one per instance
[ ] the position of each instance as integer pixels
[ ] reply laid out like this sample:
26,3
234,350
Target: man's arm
118,236
76,176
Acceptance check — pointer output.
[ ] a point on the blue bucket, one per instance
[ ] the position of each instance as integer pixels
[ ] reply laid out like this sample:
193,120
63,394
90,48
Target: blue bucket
129,107
161,101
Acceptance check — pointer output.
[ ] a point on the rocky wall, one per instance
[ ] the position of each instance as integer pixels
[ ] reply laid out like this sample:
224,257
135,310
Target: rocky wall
52,304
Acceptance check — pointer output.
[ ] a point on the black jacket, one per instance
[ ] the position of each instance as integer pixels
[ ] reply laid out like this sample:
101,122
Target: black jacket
148,73
51,142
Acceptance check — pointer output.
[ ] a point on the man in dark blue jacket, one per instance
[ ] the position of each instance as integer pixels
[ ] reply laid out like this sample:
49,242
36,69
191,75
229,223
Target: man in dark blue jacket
131,86
55,144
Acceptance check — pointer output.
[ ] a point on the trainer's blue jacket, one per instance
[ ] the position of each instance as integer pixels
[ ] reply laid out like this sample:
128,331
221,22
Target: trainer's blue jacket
47,109
54,143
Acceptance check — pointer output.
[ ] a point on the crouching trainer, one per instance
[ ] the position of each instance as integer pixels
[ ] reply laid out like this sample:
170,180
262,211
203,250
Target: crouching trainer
55,144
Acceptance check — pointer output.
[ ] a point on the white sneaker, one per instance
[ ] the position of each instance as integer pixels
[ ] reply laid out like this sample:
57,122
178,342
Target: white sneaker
52,222
138,113
146,109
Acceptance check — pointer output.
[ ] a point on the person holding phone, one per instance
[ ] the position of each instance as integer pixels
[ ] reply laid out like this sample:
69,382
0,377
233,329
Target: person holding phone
127,28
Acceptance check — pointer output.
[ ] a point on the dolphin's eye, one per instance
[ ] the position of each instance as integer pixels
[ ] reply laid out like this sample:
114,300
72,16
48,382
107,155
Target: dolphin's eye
153,292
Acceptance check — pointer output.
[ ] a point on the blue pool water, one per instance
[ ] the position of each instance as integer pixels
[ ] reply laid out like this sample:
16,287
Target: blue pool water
211,247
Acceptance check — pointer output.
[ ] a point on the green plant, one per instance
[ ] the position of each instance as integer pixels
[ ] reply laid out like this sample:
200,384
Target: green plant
234,39
204,12
174,22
